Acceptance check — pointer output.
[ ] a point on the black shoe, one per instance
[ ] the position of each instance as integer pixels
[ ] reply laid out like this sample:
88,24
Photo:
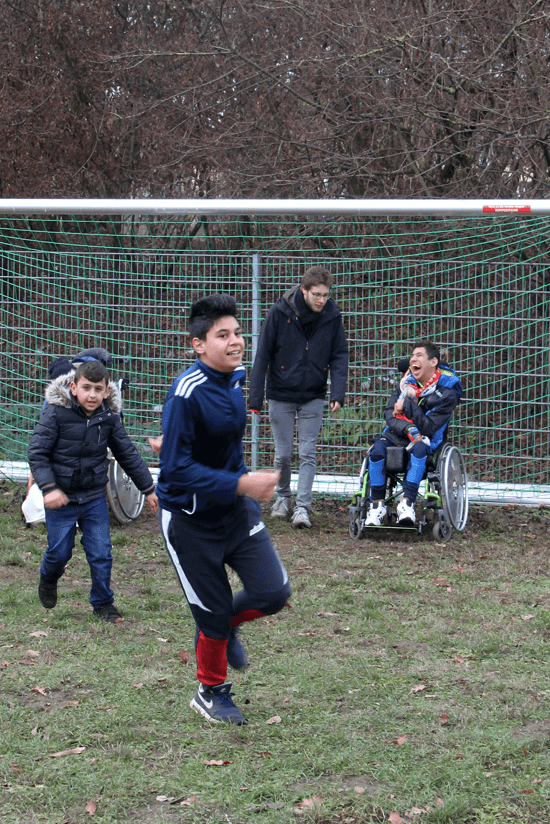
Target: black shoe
47,592
108,613
215,704
237,656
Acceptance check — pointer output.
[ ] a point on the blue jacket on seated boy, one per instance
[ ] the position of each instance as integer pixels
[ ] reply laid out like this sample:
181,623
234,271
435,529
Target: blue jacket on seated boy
417,416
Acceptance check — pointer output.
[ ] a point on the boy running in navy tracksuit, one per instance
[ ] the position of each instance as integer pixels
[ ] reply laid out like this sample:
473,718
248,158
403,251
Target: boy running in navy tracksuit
207,513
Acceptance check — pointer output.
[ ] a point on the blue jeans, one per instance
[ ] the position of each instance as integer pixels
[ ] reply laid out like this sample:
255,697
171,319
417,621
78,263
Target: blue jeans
93,520
282,416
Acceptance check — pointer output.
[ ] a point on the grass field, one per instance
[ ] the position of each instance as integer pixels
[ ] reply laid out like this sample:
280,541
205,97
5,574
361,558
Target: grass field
408,681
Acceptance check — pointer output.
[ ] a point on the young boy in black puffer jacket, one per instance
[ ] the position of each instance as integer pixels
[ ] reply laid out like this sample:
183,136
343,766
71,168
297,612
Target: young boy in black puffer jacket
69,462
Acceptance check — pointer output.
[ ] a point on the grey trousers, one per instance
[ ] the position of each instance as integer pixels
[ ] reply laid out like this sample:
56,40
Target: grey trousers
282,416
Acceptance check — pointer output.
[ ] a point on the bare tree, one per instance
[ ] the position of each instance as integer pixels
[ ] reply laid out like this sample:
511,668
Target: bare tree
287,98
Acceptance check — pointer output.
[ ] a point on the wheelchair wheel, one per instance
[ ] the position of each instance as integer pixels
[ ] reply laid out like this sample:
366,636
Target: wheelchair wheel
358,508
354,521
441,529
125,499
454,487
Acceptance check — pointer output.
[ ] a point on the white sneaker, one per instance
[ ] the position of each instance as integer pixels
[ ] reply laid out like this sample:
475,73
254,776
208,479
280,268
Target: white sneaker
406,515
281,509
300,518
376,514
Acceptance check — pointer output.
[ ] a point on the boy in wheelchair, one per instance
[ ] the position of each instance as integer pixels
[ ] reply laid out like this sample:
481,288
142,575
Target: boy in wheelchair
417,415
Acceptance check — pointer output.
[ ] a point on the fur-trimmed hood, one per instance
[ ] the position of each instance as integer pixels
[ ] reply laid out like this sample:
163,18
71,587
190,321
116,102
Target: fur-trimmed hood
58,393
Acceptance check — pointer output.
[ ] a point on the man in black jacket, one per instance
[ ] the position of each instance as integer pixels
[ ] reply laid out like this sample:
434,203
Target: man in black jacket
302,340
69,462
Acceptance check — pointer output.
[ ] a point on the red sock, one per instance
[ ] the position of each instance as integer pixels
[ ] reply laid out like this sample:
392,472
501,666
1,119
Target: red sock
246,615
211,660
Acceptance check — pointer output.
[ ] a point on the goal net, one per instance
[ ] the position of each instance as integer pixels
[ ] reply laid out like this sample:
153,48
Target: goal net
122,274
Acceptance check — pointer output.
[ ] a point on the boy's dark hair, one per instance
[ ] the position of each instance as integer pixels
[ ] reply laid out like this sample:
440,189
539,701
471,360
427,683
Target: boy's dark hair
432,350
315,276
206,311
93,371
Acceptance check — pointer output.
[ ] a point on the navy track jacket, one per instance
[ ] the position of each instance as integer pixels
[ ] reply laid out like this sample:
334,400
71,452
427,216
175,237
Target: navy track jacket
203,421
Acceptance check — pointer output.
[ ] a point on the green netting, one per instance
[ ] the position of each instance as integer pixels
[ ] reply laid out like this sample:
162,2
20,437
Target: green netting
477,286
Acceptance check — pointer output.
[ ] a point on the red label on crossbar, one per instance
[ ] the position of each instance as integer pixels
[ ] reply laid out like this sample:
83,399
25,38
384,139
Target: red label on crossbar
494,209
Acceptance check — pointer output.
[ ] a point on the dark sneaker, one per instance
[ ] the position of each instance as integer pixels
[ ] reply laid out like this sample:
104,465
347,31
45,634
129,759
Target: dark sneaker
237,656
215,704
108,613
47,592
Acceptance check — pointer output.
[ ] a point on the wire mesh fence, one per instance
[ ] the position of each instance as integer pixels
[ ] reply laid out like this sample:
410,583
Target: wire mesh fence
490,317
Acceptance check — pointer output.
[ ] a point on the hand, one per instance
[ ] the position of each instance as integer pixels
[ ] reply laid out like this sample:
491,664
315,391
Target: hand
398,408
335,406
259,485
55,499
155,443
153,502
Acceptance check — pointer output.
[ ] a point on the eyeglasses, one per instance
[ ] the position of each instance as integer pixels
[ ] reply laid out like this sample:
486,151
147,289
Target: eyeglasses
320,295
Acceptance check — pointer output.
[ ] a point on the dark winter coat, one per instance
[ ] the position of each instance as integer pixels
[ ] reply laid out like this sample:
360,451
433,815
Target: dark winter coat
68,449
298,365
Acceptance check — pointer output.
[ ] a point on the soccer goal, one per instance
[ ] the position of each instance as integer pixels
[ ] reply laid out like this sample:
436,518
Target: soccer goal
470,275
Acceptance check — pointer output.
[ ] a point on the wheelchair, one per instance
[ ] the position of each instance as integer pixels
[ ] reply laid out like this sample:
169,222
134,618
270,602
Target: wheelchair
442,496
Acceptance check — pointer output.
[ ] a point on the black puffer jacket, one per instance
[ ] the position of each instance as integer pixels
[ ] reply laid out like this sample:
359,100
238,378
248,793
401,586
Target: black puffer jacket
298,366
68,449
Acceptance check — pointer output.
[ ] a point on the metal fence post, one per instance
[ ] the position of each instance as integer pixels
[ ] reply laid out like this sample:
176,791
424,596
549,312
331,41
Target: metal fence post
256,323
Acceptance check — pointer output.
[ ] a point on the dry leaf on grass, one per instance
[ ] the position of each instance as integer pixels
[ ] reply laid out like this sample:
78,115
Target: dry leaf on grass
276,719
314,801
90,807
215,763
74,751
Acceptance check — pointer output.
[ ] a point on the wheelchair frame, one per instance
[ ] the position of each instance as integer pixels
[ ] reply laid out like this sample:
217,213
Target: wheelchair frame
443,496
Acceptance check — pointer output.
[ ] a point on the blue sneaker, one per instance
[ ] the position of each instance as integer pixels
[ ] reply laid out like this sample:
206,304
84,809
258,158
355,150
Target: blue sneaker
237,656
215,704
